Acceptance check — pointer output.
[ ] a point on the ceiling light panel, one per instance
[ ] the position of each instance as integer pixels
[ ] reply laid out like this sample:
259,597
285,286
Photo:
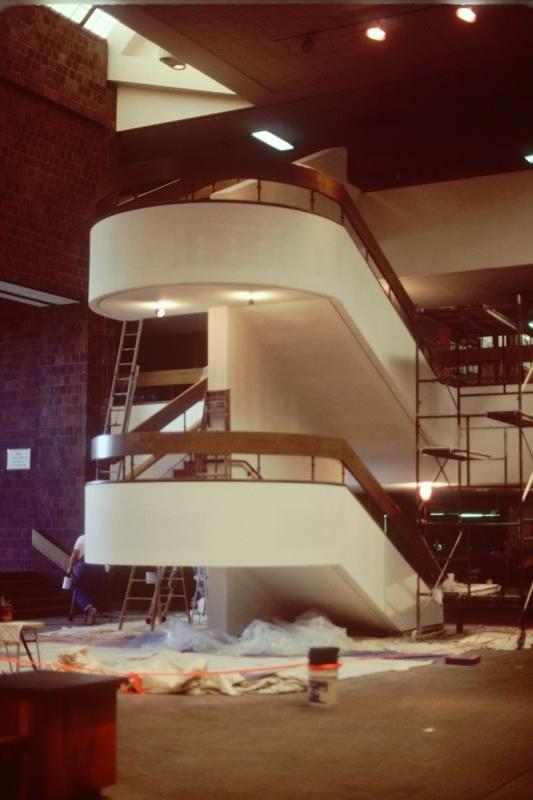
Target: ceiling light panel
272,140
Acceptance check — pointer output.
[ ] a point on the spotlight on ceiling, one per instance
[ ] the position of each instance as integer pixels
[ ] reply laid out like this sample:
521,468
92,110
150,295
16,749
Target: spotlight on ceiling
272,140
173,63
466,14
160,312
376,33
529,158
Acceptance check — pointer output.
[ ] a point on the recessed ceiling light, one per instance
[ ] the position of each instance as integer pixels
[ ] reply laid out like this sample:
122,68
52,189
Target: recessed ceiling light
529,158
160,312
272,140
173,63
376,33
251,297
466,14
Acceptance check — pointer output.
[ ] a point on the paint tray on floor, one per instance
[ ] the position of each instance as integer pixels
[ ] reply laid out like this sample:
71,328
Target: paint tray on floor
464,661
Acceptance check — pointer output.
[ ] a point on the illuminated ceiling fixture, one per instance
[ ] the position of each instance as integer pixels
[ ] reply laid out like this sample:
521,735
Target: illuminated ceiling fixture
272,140
160,312
466,14
173,63
529,158
376,33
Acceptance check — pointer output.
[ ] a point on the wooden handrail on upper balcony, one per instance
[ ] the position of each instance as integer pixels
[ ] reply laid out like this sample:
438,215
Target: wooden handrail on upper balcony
401,532
173,409
170,377
291,174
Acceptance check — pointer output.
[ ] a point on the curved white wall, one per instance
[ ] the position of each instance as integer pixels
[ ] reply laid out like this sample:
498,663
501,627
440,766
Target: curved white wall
454,226
228,245
253,524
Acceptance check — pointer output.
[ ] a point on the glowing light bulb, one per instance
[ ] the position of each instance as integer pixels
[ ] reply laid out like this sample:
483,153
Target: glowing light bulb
376,33
466,14
425,490
160,312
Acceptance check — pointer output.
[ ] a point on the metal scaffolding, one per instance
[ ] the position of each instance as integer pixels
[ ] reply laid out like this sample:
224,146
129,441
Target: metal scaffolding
485,357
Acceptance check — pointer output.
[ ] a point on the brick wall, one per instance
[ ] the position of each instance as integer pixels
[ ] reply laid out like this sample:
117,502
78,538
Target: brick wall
56,128
56,59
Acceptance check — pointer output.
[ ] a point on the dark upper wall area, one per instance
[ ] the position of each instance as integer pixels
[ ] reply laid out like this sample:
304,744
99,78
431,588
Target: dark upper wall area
56,126
56,122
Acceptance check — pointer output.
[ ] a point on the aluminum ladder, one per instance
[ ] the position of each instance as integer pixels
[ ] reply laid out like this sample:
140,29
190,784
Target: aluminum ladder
122,388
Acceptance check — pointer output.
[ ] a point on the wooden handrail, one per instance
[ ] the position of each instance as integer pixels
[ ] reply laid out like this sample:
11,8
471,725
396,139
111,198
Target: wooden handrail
403,534
291,174
173,409
170,377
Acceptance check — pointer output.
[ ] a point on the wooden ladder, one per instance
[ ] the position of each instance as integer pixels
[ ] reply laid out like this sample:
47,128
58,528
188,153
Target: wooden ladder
168,585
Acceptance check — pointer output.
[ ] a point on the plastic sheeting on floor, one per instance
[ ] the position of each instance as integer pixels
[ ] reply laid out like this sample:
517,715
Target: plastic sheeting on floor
266,659
187,673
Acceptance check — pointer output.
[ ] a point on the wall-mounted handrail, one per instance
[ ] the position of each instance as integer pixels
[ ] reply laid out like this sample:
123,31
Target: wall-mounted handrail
290,174
403,534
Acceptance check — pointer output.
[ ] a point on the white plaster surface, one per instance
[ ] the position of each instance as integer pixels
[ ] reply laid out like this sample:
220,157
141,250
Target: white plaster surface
454,226
270,526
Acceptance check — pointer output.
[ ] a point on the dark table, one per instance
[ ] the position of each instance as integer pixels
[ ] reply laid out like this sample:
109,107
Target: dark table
68,721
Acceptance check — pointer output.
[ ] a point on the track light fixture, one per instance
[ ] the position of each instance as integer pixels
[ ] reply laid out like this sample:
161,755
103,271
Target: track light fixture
376,33
173,63
466,14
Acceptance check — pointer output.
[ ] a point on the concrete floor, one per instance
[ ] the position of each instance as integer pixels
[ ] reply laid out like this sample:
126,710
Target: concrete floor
439,732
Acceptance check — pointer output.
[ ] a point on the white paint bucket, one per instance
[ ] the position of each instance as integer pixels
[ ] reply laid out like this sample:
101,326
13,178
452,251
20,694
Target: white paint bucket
323,687
323,675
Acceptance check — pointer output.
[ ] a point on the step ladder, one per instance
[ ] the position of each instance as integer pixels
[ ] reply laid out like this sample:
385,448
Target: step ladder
123,385
199,598
166,583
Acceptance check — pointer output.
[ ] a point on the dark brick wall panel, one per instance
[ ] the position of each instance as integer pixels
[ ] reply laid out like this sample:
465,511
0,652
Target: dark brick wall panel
56,59
56,124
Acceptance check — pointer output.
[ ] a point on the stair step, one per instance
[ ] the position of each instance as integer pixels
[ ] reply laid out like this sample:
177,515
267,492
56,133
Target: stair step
35,595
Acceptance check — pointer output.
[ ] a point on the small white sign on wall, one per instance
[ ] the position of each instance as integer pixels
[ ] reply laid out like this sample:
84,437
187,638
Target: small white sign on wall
19,458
